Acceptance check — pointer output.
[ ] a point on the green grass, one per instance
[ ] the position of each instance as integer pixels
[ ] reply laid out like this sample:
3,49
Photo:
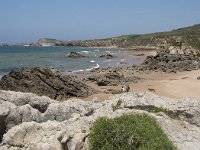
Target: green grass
154,109
189,35
128,132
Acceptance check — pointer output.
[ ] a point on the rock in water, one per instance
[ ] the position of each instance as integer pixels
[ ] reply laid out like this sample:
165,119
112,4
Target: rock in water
75,55
45,81
108,56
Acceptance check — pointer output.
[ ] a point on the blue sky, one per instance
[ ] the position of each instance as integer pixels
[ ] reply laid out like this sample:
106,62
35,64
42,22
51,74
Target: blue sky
29,20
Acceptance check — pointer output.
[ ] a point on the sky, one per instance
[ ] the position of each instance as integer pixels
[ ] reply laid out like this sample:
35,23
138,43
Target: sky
29,20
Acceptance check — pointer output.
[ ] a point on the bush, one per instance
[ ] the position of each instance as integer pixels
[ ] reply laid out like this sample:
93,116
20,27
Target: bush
128,132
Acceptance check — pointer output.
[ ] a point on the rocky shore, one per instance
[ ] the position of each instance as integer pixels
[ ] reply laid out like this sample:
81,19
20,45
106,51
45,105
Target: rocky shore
45,81
56,116
32,122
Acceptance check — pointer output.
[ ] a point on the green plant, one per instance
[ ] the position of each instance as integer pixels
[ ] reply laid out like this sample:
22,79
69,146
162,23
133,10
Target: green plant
128,132
117,106
153,109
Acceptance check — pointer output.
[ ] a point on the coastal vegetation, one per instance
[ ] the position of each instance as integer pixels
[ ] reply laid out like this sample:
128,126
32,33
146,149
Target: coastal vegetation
188,35
139,132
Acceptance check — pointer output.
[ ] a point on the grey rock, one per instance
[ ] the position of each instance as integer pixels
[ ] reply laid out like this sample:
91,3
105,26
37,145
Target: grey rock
112,78
172,59
71,132
107,56
75,55
45,81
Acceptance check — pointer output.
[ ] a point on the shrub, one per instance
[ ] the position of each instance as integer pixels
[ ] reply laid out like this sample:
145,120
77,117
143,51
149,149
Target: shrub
128,132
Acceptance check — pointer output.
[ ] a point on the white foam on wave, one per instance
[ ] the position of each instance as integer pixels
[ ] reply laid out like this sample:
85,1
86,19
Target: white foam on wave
97,66
92,61
86,52
96,50
77,71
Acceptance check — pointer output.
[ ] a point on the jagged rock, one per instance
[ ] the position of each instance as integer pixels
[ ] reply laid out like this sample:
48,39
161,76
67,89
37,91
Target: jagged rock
172,59
71,133
107,56
45,81
111,78
75,55
14,112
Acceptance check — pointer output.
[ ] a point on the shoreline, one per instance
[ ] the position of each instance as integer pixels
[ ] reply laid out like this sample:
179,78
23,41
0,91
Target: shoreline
172,85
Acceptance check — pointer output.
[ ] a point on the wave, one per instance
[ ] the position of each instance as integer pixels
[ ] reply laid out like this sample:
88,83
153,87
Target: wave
81,70
95,67
96,50
86,52
92,61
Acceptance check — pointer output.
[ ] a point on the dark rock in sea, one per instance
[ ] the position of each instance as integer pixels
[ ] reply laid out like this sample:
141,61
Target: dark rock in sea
75,55
45,81
108,56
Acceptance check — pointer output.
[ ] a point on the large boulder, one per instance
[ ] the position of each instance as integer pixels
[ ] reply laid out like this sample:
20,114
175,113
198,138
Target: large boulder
45,81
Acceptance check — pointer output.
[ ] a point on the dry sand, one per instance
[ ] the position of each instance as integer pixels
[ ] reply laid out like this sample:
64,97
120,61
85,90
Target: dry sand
173,85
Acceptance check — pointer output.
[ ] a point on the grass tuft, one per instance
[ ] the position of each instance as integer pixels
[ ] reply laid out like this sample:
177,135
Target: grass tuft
128,132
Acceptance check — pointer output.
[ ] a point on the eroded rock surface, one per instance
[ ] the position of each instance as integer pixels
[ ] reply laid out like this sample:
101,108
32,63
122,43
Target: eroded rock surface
172,59
45,81
112,79
179,119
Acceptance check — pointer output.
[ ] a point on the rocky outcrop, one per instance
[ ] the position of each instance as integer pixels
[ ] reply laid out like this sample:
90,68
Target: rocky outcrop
107,56
179,119
172,59
75,55
45,81
111,79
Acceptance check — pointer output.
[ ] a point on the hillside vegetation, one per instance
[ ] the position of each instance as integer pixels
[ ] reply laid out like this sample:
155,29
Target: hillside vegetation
189,35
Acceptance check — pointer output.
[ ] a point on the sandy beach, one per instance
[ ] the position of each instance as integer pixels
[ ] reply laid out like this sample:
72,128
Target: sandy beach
172,85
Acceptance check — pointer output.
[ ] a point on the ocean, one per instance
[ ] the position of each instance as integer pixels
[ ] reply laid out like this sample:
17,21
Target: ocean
13,57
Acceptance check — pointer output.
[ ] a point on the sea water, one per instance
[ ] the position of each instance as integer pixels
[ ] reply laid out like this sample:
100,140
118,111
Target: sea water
12,57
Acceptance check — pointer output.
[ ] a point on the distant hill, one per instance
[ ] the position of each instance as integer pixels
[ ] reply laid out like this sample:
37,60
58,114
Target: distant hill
189,35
